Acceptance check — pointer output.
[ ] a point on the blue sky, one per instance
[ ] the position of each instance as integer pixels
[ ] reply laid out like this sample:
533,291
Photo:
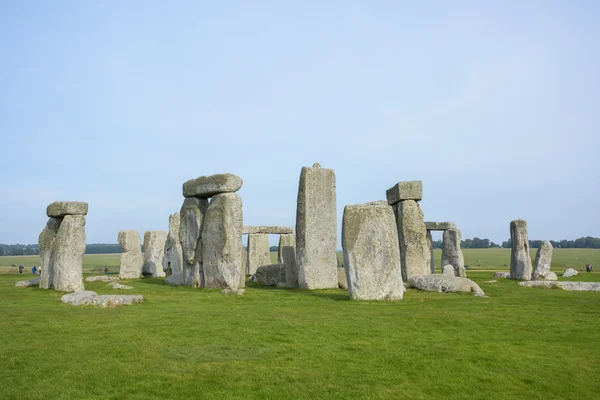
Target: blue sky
495,106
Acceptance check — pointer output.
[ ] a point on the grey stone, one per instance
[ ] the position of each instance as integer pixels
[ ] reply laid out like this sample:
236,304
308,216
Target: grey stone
452,253
244,265
154,251
411,190
191,220
520,261
117,285
101,278
286,255
47,251
172,262
505,275
448,270
439,226
259,252
131,257
444,283
551,276
569,272
543,259
221,238
492,281
208,186
113,300
371,252
61,208
342,279
82,297
233,292
570,286
412,235
271,230
30,282
316,229
432,260
69,247
270,275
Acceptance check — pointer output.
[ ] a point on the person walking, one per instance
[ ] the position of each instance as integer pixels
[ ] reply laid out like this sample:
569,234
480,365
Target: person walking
105,268
21,268
33,270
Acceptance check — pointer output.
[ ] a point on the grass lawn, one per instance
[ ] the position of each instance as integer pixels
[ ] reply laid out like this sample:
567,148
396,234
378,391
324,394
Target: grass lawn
519,343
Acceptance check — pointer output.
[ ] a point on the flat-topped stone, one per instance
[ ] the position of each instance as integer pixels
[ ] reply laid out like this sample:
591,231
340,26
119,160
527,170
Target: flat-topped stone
86,297
444,283
411,190
62,208
570,286
270,230
439,226
101,278
30,282
208,186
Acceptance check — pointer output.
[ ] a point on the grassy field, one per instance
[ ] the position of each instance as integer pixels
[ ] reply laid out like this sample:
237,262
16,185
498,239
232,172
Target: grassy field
518,343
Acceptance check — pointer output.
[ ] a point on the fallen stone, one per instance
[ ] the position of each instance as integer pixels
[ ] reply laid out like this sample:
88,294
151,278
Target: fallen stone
233,292
342,280
101,278
439,226
117,285
271,230
79,298
543,259
448,270
270,275
551,276
47,251
131,257
69,247
62,208
30,282
505,275
520,261
172,262
570,286
208,186
444,283
452,253
414,251
411,190
113,300
154,251
286,254
492,281
569,272
175,279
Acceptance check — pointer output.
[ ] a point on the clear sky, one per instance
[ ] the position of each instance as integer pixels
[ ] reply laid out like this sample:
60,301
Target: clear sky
494,105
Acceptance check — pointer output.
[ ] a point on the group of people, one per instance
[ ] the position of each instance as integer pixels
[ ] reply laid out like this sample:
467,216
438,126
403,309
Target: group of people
34,269
588,267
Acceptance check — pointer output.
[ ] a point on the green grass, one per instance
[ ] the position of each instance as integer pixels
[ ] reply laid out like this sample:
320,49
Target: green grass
519,343
91,263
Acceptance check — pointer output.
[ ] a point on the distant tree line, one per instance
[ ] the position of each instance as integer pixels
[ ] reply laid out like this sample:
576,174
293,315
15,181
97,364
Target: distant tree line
581,243
32,249
475,243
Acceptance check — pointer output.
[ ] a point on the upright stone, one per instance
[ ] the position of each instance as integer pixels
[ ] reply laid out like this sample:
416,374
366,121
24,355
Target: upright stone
316,229
221,237
415,255
520,261
543,259
46,251
430,245
371,253
259,253
244,265
452,253
154,251
191,219
173,255
69,247
131,257
286,255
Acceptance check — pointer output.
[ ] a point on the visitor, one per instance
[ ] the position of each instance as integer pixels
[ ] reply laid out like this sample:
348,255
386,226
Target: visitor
33,270
21,269
106,268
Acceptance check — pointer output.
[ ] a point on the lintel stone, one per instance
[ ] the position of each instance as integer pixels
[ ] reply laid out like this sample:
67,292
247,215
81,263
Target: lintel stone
439,226
59,209
270,230
411,190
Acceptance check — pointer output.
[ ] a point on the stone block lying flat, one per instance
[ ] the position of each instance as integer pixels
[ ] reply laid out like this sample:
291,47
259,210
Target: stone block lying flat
571,286
502,274
439,226
62,208
101,278
270,230
30,282
411,190
208,186
444,283
86,297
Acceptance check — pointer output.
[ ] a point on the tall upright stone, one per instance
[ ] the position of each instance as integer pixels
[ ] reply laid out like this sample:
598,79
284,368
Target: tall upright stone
131,256
244,265
191,219
259,253
316,229
221,237
286,255
371,253
543,259
415,254
154,251
452,253
172,263
430,245
520,261
46,252
69,247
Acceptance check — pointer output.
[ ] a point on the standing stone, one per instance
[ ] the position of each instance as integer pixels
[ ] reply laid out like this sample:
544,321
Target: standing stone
520,261
131,257
244,265
191,218
46,251
286,255
221,237
316,229
430,245
543,259
69,247
371,253
173,254
154,251
412,235
259,253
452,253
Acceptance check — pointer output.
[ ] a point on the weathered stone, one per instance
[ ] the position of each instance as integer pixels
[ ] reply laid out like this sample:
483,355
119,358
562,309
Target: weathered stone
444,283
61,208
271,230
221,238
570,286
342,279
543,259
172,262
69,247
412,235
439,226
244,265
432,260
286,255
30,282
233,292
520,261
108,300
371,253
131,257
270,275
448,270
492,281
505,275
411,190
117,285
569,272
79,298
316,229
191,220
154,251
101,278
208,186
47,251
259,252
452,253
